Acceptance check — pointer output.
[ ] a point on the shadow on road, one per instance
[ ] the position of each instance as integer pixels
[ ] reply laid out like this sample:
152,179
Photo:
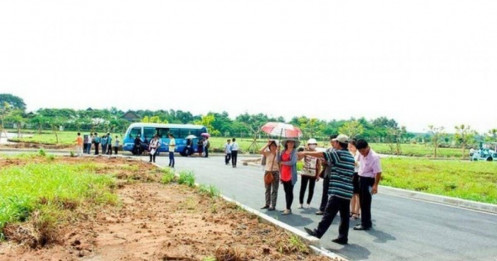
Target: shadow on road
353,251
381,237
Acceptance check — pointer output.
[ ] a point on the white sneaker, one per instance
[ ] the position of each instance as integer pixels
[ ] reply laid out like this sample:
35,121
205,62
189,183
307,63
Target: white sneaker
301,206
308,206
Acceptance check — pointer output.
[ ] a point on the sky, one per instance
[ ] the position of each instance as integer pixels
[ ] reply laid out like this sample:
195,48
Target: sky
420,62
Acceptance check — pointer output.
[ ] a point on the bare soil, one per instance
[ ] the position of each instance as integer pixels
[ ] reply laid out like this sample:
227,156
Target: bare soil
155,222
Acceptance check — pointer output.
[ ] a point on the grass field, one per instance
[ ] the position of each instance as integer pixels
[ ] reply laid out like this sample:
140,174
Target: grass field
461,179
217,144
65,137
49,189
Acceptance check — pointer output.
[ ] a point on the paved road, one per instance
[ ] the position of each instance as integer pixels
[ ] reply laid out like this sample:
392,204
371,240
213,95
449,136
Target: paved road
404,229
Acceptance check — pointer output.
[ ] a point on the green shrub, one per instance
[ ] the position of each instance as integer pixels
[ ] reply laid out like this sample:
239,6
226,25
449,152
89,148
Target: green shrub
168,176
186,177
42,153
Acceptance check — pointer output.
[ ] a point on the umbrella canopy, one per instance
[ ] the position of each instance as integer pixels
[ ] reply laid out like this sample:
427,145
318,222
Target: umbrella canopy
191,137
282,130
205,134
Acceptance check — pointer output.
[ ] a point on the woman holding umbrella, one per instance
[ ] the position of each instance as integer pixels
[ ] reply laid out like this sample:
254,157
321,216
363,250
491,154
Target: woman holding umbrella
288,170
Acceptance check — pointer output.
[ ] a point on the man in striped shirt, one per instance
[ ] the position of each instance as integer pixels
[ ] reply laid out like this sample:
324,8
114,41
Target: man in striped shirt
340,190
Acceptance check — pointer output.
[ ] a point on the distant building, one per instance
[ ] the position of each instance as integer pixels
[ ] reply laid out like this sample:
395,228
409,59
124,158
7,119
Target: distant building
131,116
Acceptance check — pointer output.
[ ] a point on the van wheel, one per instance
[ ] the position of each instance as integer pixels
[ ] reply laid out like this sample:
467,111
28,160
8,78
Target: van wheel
490,159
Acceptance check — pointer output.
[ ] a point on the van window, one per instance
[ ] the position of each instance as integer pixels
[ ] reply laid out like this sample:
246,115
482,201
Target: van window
163,132
135,131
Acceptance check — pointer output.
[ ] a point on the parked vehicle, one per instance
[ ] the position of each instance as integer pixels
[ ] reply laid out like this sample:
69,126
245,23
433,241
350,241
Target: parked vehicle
484,154
146,131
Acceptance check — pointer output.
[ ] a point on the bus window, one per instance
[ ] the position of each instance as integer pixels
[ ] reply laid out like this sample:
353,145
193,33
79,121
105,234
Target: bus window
134,132
175,132
149,133
163,132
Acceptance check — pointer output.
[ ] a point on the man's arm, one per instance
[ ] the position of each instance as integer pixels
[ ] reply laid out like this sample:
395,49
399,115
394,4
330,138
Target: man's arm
316,154
377,179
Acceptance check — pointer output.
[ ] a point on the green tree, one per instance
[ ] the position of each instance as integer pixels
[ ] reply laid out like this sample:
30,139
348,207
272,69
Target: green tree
207,121
436,134
351,129
4,112
17,118
464,135
15,102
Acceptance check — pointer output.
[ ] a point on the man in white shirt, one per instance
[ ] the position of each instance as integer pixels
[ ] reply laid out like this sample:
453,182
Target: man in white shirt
234,152
172,146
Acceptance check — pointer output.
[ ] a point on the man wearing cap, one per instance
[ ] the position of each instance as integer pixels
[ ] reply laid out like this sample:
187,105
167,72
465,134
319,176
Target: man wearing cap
369,178
326,176
340,191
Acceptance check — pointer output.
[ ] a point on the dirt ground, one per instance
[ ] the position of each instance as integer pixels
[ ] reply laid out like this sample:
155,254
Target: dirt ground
159,222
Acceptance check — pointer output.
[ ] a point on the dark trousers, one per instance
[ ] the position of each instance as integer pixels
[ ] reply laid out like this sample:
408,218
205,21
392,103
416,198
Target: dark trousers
152,156
334,205
206,152
365,186
234,156
287,185
104,149
303,187
115,150
227,158
96,148
324,198
171,159
109,149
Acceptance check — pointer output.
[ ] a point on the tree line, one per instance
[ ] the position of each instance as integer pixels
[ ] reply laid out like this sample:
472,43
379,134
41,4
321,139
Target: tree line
13,114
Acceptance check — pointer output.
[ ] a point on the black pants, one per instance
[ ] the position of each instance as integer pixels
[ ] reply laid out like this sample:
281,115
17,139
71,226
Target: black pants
171,159
303,187
365,186
334,205
227,158
287,185
234,156
109,149
206,152
96,148
324,198
104,149
115,150
152,156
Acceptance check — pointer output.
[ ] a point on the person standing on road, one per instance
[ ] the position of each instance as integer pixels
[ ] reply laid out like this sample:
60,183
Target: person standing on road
153,147
86,139
116,145
234,152
137,150
288,170
109,144
104,144
96,141
355,205
340,192
227,152
172,147
325,174
309,174
207,145
271,174
79,145
369,178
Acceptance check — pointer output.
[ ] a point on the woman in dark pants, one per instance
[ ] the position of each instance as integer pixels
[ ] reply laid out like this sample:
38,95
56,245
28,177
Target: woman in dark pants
309,174
288,170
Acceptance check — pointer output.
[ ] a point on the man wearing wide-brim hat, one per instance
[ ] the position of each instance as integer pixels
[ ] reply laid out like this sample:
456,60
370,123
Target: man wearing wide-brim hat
340,191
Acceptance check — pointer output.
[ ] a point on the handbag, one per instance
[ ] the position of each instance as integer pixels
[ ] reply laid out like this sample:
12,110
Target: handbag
268,177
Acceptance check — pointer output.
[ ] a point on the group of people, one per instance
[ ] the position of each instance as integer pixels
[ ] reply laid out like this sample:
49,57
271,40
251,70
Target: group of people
231,152
154,145
106,143
350,171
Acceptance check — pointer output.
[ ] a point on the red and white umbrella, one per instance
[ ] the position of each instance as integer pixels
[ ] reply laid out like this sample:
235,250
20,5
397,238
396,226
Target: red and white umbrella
282,130
205,135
